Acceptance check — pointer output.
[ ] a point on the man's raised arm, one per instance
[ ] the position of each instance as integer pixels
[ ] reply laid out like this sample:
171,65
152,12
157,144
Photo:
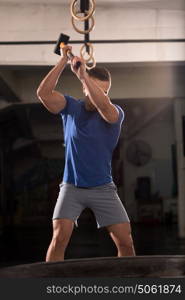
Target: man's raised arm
51,99
96,95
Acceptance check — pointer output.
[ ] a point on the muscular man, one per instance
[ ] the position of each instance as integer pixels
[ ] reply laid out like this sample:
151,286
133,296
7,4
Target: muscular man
91,131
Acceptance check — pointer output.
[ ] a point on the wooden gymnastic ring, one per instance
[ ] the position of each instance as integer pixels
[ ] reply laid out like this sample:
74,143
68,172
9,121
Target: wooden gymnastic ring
83,31
90,12
90,54
93,64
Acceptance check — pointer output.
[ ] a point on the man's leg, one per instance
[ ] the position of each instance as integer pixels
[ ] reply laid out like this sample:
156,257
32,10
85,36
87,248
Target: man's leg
121,235
62,230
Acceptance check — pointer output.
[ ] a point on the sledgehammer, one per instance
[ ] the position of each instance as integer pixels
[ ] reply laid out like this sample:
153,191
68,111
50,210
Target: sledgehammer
61,42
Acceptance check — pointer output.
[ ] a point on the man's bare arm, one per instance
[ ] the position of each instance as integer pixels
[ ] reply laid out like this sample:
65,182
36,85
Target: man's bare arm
100,100
51,99
96,95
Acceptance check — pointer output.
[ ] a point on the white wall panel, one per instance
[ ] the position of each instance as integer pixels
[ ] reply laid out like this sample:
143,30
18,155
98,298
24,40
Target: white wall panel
22,22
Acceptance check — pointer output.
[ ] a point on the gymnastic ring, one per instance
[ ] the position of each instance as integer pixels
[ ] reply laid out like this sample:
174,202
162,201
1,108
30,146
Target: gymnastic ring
90,12
83,31
93,64
90,54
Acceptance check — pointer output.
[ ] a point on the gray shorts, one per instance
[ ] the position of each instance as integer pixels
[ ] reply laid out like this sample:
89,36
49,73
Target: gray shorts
102,200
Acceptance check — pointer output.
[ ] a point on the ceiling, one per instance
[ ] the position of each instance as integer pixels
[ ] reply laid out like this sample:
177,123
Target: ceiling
158,4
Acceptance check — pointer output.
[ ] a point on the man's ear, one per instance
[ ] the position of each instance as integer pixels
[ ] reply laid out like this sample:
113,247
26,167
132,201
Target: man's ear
84,91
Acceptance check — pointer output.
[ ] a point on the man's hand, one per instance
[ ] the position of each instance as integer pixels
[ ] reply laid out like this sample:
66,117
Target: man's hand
81,71
64,51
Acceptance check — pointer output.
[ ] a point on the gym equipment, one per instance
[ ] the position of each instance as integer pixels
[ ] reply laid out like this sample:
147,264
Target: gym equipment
90,52
61,42
86,7
83,31
91,57
83,8
156,266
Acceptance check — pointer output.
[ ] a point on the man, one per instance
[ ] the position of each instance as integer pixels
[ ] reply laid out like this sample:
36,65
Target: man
91,131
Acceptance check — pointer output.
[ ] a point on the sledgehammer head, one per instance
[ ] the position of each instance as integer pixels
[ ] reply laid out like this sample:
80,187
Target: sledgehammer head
62,39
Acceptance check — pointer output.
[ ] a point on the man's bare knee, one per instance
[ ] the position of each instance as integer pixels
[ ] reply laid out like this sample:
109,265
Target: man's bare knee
59,242
126,242
62,230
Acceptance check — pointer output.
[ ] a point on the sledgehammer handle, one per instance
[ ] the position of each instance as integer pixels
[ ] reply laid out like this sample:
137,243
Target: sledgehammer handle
70,55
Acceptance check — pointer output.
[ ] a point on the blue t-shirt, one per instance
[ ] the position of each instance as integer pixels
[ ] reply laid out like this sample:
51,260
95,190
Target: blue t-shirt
89,144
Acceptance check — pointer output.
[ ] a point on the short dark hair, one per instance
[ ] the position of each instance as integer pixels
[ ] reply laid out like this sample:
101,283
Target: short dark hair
100,73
